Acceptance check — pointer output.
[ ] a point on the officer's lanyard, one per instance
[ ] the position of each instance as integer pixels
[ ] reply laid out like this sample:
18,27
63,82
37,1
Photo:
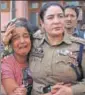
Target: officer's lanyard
79,58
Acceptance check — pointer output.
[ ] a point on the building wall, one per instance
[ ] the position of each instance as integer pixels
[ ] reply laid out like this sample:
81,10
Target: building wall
21,10
5,17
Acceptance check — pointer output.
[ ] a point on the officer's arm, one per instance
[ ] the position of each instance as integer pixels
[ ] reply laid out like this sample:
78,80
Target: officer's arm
79,88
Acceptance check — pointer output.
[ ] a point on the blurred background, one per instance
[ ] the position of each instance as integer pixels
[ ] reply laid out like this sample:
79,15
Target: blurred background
30,9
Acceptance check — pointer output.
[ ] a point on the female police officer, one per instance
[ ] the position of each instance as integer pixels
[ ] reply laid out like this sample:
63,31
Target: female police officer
53,60
53,53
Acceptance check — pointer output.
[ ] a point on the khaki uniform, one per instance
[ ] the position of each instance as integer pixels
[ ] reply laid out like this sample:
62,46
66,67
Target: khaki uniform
51,64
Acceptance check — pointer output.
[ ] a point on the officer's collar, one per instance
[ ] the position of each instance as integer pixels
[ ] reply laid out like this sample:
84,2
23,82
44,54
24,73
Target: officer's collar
66,38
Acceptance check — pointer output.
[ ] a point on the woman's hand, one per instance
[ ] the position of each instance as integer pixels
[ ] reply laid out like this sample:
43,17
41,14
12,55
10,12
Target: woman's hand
8,34
56,87
64,91
20,91
61,89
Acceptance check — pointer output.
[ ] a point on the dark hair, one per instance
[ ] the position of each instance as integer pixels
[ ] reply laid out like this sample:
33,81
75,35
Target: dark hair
23,22
73,8
46,6
33,28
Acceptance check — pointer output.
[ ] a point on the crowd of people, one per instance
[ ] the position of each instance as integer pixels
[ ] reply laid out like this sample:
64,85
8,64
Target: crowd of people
49,61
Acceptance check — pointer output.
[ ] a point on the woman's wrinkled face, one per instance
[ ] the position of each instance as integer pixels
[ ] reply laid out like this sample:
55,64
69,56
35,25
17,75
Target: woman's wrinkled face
21,42
53,21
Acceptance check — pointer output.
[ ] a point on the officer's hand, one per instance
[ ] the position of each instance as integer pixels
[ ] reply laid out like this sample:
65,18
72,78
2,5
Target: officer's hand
58,86
8,34
65,90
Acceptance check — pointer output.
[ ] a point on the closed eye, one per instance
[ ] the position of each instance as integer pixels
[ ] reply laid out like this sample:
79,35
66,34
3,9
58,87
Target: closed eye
26,35
15,37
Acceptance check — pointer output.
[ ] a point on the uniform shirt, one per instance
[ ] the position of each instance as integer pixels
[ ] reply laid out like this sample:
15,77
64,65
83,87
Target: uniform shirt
51,64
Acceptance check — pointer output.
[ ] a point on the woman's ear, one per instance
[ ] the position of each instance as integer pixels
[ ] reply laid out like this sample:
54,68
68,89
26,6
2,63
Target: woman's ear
42,26
42,23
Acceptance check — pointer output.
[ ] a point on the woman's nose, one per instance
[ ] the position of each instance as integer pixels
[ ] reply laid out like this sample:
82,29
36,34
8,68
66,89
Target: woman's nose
56,20
21,39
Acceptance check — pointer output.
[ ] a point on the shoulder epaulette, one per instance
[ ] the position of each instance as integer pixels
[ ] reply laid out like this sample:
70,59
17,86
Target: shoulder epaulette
38,34
77,40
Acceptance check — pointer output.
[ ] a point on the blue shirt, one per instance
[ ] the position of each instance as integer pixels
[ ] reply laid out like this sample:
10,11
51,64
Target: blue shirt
79,33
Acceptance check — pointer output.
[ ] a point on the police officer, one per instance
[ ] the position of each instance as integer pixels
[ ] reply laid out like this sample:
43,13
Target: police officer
71,21
53,60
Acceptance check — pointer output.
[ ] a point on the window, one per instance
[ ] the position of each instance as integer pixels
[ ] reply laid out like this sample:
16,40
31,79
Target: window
34,18
33,12
75,3
5,6
34,7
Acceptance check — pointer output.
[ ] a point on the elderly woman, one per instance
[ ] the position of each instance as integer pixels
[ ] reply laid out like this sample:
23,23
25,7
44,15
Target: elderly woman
14,67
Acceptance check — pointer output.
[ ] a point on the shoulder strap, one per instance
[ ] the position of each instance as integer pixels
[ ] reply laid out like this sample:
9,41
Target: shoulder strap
79,58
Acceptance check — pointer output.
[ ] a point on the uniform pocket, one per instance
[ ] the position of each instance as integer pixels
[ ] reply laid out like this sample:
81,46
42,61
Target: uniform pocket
35,56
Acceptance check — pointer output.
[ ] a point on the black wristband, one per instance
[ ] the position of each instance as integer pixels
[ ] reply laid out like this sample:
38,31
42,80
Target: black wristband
47,89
